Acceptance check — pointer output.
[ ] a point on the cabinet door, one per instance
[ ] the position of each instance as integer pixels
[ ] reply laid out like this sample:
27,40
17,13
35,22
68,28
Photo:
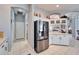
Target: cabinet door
64,40
50,39
2,49
6,47
55,39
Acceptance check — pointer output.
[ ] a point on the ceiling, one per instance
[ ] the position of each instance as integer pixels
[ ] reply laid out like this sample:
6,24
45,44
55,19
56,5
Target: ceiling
61,8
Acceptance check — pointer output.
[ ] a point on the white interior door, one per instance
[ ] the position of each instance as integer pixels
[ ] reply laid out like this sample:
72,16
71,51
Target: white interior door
20,26
19,30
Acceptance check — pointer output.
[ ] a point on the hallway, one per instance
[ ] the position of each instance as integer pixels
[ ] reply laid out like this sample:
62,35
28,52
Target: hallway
21,47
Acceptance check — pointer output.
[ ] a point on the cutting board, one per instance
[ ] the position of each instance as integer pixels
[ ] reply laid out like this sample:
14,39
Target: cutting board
1,34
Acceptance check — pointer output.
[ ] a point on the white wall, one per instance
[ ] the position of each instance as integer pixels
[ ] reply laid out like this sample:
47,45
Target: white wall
40,11
5,17
30,28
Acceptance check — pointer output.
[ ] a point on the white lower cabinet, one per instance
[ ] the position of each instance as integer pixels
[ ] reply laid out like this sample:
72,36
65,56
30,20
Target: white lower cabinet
50,39
3,48
64,40
55,39
60,39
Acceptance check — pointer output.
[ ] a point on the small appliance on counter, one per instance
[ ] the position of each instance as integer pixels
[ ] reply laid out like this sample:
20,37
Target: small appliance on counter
41,36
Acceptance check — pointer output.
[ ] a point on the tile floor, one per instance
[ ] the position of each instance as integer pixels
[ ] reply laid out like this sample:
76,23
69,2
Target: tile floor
23,48
72,49
60,50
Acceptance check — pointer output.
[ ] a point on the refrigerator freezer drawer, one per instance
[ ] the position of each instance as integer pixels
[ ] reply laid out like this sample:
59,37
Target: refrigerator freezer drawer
39,47
45,44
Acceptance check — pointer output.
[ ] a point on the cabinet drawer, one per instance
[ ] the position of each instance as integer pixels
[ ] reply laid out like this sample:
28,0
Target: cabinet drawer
39,46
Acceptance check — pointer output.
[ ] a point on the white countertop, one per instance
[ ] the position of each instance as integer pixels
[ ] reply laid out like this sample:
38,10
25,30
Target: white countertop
57,33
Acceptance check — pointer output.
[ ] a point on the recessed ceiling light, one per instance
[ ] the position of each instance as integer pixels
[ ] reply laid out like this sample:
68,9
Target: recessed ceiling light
57,6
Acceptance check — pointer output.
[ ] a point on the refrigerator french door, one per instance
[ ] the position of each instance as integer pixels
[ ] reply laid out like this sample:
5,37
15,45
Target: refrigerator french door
46,35
40,36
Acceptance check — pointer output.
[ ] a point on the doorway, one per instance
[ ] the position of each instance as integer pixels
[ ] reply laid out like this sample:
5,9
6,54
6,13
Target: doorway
19,29
19,24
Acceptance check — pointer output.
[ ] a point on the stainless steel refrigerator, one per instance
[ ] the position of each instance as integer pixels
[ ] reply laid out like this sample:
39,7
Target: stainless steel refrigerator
41,35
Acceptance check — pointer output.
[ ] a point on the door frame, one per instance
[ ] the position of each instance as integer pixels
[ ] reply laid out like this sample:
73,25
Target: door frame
12,23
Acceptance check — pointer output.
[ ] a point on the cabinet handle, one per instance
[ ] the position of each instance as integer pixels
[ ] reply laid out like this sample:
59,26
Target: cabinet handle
2,46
